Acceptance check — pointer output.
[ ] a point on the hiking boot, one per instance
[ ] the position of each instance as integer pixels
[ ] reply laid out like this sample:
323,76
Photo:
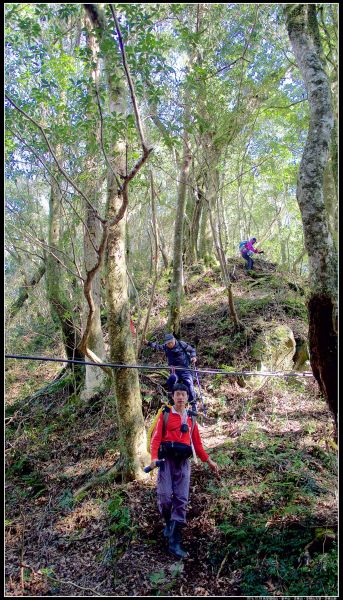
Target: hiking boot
175,540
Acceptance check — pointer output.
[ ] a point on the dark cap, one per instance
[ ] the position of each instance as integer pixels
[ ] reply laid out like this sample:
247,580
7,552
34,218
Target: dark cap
168,337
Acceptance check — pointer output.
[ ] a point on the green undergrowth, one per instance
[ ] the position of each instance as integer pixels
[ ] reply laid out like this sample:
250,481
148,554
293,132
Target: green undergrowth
121,527
287,306
44,422
268,516
267,523
163,581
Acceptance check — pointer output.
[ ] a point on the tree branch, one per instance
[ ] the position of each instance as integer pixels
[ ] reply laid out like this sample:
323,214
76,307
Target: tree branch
62,192
60,168
129,80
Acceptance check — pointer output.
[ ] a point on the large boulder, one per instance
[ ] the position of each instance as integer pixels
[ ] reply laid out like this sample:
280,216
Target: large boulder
274,349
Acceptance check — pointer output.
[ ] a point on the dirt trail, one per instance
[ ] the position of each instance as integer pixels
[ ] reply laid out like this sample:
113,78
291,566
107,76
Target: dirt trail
110,543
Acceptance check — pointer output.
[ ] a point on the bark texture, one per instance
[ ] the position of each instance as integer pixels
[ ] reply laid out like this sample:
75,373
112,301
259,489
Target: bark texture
176,288
95,380
303,33
95,377
24,292
126,383
61,308
205,237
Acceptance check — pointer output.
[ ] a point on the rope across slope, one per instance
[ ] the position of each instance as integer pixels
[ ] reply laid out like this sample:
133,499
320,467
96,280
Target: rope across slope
164,367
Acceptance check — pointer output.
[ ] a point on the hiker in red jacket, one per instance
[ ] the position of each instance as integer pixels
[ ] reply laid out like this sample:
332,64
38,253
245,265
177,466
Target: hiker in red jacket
174,442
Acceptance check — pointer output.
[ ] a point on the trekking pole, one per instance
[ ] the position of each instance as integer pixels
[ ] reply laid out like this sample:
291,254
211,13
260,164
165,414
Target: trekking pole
204,410
159,463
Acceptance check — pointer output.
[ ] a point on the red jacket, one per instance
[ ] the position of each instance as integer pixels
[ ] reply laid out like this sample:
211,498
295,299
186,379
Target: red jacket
173,434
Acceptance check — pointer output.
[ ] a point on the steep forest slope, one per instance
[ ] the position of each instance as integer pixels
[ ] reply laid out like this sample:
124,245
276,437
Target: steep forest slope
266,526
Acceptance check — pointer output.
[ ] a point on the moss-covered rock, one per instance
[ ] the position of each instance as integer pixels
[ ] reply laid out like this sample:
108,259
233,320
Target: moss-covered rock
274,348
301,357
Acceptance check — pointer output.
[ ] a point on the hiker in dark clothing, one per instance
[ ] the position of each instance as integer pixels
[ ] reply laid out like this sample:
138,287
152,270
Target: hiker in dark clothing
173,442
179,354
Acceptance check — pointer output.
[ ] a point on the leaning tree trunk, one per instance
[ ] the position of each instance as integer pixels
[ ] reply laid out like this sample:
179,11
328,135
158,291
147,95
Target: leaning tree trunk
303,33
162,248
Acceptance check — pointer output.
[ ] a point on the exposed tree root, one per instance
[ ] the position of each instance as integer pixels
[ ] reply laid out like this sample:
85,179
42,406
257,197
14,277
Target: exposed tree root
113,473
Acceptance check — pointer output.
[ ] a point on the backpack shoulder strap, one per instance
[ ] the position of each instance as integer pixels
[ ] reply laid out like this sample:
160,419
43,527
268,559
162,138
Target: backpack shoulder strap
194,420
165,411
184,346
152,428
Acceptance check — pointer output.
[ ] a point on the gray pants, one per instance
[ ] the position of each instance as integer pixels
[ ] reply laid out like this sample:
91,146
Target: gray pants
173,488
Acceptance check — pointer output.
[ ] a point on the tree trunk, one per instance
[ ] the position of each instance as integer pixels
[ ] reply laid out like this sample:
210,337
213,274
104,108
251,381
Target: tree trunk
95,377
154,261
174,321
212,191
61,309
282,242
24,293
205,237
330,197
191,253
162,247
126,383
303,33
298,260
224,271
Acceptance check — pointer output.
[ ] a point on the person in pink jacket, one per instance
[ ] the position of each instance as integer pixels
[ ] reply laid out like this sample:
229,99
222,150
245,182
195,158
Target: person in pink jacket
247,252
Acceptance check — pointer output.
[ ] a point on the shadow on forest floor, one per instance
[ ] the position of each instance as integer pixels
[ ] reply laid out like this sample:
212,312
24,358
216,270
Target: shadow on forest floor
265,527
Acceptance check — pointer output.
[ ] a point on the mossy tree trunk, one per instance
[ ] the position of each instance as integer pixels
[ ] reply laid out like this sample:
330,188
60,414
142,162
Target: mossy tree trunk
195,201
24,292
212,192
176,288
126,383
205,236
132,435
95,379
302,28
330,61
61,309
